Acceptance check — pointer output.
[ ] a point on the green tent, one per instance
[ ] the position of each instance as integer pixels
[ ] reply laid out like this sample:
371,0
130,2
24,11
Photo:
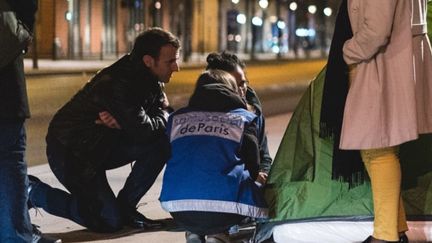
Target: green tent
429,19
299,184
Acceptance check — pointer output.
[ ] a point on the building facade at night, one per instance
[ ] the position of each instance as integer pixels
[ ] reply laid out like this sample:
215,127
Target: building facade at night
105,29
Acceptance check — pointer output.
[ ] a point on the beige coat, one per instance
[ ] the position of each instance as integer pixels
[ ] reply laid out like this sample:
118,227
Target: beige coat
390,97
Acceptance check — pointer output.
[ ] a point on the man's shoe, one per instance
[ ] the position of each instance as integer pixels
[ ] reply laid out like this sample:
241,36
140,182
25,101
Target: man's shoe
136,220
38,237
33,180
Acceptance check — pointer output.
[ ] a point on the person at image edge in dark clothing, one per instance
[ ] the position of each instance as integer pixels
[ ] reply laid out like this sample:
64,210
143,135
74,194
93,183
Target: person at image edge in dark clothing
81,147
15,225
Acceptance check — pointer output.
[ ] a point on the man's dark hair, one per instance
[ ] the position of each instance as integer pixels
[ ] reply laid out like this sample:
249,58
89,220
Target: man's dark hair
151,41
224,61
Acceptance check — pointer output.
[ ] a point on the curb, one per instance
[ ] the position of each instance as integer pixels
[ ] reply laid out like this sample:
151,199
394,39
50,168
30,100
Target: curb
82,70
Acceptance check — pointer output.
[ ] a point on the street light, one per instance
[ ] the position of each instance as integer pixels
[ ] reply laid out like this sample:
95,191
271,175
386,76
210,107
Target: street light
281,24
303,32
158,5
312,9
263,4
257,21
293,6
241,19
328,11
68,16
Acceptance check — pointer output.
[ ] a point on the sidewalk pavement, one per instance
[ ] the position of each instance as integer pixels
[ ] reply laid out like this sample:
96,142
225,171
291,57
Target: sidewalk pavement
51,67
149,204
267,76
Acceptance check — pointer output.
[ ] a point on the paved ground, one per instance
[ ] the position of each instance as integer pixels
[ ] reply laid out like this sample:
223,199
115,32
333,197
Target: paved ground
71,232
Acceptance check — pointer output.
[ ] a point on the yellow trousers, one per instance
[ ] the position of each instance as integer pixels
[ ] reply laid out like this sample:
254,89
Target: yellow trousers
384,171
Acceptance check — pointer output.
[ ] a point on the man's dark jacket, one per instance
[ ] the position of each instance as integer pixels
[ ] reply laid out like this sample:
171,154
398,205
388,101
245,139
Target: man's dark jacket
130,93
13,93
266,160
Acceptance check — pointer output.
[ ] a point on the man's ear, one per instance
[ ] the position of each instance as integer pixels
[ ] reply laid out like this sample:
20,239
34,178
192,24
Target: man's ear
148,60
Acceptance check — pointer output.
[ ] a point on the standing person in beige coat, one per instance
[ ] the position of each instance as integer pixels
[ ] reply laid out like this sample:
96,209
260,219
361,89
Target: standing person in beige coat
389,98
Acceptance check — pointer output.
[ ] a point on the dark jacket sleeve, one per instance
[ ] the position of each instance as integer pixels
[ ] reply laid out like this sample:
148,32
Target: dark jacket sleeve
141,124
266,159
249,150
25,10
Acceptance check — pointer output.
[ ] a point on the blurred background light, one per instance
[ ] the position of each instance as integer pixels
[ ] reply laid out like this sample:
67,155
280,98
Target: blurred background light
257,21
275,49
312,9
281,24
158,5
241,19
263,3
328,12
303,32
293,6
68,16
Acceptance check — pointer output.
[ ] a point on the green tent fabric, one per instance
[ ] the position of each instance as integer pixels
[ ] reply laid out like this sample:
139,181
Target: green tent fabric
299,186
429,19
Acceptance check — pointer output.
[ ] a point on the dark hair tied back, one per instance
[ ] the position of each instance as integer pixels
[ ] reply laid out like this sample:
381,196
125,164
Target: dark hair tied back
224,61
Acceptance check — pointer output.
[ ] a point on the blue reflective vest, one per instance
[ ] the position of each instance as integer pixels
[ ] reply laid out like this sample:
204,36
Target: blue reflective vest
205,172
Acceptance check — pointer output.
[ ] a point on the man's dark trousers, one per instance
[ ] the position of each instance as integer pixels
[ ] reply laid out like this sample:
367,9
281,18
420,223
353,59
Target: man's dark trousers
90,201
14,217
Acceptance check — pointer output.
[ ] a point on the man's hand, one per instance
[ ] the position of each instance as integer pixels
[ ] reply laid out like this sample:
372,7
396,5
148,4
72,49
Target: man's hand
106,119
262,178
165,101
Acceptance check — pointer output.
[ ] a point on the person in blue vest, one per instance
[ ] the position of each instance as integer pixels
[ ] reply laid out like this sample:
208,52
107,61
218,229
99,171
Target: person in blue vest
209,182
